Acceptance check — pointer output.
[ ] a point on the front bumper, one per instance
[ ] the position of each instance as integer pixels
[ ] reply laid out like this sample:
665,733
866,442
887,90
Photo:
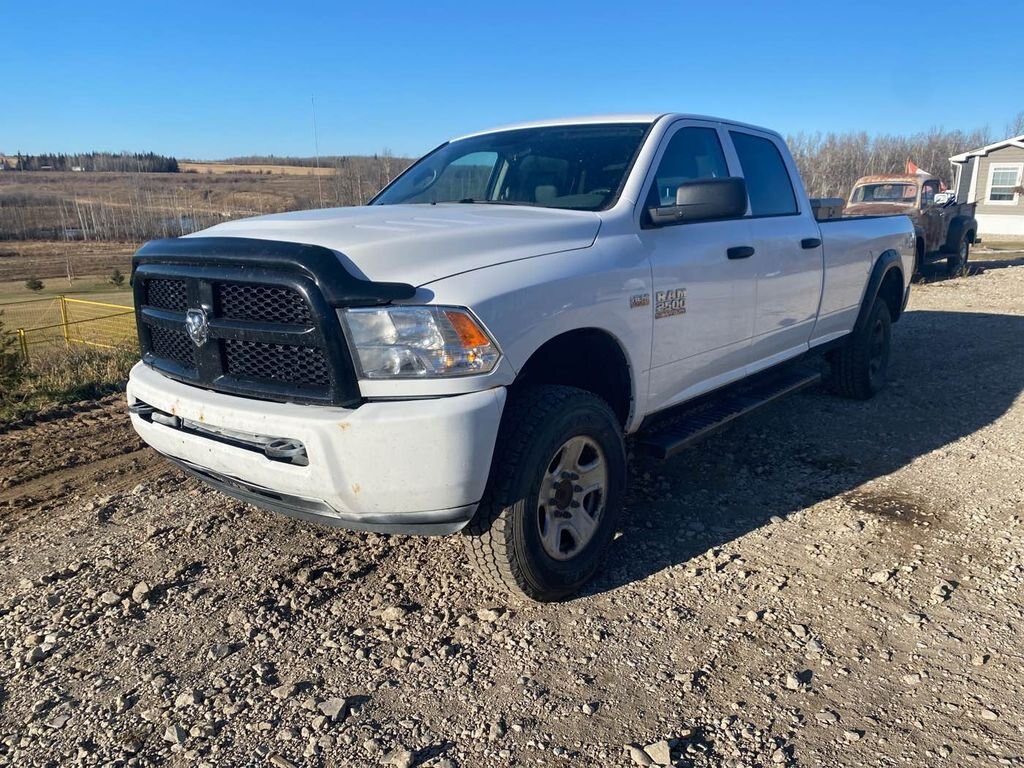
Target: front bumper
406,466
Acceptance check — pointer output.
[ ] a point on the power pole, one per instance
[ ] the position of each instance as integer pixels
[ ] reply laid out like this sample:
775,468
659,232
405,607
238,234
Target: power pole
316,148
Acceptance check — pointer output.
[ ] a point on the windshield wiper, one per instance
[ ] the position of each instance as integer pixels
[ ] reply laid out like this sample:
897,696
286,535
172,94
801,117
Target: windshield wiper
476,201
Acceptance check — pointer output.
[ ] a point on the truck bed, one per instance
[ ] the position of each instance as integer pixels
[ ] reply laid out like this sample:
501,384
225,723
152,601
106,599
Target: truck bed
851,245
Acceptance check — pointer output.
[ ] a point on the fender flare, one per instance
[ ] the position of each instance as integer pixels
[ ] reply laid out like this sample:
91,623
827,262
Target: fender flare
887,262
959,226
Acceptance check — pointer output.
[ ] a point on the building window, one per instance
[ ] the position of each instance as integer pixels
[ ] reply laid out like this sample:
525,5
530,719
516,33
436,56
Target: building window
1004,183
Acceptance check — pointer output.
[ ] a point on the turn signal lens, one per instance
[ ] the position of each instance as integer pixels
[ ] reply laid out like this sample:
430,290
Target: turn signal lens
468,331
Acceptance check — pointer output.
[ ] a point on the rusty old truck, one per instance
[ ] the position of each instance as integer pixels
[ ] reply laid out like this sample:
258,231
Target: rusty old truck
945,229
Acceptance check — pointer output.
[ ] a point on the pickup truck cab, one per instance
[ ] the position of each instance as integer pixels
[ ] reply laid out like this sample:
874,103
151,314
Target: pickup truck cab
944,229
469,351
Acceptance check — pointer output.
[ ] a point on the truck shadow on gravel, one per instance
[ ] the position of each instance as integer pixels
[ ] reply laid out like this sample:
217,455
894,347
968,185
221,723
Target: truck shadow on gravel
952,374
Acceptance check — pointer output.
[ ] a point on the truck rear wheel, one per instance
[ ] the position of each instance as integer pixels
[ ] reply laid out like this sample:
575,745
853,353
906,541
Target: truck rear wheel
859,367
554,496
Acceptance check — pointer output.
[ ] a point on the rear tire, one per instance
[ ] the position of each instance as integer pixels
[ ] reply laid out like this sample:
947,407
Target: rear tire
957,263
859,368
554,496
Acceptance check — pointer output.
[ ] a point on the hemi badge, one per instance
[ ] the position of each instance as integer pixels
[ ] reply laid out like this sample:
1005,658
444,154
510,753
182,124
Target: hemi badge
640,300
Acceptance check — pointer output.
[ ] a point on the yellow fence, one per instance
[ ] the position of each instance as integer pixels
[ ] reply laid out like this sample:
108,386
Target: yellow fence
64,321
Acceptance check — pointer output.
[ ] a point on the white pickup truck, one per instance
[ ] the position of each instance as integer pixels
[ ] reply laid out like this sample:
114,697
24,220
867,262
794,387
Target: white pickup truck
469,351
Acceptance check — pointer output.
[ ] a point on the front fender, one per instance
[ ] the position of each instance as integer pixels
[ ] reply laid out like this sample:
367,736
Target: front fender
527,303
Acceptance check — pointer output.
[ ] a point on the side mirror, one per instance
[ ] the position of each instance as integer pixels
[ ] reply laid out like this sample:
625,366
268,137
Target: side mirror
704,200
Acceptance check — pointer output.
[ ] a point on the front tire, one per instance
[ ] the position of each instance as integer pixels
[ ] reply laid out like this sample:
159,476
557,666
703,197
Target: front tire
555,494
859,368
957,263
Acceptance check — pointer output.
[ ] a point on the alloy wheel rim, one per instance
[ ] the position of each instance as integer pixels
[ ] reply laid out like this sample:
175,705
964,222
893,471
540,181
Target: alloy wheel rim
572,497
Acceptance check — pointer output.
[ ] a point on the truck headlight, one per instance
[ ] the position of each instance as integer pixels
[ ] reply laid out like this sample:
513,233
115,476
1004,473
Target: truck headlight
418,342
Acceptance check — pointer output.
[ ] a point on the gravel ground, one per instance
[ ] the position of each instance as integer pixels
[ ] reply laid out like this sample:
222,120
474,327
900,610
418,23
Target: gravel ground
827,583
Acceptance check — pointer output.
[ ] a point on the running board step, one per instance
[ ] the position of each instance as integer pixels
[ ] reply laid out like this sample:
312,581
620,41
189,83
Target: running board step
692,422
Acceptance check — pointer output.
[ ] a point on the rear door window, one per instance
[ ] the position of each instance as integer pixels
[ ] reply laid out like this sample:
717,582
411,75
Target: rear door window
768,183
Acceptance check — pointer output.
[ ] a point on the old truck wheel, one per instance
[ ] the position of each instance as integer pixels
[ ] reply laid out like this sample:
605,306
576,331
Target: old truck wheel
957,263
859,367
554,495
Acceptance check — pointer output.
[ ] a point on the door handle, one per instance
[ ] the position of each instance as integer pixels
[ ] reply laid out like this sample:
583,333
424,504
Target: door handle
740,252
810,242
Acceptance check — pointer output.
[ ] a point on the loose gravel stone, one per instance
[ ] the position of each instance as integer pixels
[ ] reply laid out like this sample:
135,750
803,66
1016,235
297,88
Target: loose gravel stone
638,756
219,651
660,752
827,716
175,734
140,592
334,708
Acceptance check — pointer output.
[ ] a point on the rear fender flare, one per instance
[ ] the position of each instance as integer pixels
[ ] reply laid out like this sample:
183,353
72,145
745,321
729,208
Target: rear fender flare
886,263
959,227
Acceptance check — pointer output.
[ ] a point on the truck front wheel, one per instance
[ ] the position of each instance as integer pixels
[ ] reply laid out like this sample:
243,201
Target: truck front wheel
554,496
957,263
859,367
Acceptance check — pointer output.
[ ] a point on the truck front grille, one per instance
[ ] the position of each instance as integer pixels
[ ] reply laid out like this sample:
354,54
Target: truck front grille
173,345
305,366
268,303
167,294
269,335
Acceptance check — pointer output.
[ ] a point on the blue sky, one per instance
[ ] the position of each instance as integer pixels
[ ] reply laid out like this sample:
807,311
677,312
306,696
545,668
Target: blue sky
214,79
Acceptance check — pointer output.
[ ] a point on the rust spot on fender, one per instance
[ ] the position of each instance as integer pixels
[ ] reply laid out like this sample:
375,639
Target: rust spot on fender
344,425
356,488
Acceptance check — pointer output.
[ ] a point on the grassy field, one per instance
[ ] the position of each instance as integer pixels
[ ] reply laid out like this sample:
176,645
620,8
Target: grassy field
93,288
49,260
187,166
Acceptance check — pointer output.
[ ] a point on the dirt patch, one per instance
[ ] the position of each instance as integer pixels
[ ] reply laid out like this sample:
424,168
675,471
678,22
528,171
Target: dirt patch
902,508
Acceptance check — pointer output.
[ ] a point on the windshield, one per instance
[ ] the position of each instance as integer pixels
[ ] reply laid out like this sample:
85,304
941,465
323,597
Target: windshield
581,167
904,194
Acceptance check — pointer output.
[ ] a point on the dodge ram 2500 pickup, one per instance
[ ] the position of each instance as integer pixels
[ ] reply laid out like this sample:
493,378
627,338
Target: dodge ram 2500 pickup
469,351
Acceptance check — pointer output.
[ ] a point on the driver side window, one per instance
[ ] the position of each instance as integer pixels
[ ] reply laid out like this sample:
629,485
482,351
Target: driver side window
928,192
692,154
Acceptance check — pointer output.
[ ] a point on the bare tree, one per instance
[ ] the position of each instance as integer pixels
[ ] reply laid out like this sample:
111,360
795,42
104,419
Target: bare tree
1016,126
830,163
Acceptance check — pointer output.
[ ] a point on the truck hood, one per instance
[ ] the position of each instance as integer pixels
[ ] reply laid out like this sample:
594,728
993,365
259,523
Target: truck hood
419,244
878,209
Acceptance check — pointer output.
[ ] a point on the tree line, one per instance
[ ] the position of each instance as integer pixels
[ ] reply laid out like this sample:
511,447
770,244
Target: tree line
324,161
114,162
830,163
